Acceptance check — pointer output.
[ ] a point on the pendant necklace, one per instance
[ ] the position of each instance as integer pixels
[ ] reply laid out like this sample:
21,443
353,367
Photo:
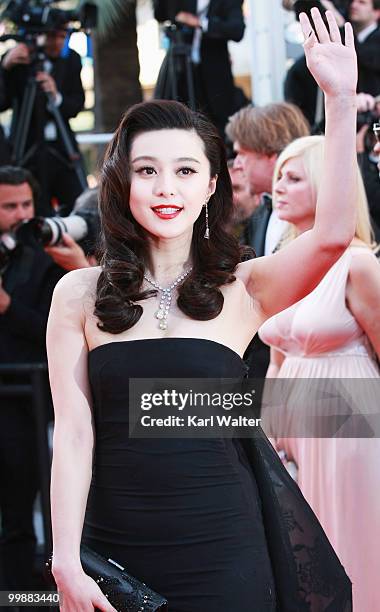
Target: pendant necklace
166,297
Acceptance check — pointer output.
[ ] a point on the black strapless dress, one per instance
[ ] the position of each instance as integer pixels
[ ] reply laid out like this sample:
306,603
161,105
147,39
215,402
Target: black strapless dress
181,515
214,525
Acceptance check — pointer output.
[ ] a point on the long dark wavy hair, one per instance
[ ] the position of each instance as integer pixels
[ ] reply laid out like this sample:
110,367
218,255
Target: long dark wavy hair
124,250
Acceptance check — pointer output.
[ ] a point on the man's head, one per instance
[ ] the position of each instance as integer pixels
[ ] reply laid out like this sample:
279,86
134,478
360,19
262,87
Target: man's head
17,191
55,41
244,202
363,13
259,135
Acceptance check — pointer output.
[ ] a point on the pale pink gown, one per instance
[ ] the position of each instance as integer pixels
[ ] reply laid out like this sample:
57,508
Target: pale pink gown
339,477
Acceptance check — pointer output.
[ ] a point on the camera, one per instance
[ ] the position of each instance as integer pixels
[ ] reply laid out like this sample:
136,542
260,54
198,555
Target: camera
48,230
39,16
83,227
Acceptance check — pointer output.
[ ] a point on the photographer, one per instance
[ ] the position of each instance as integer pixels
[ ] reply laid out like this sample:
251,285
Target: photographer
27,279
59,77
70,255
206,26
369,113
301,90
364,16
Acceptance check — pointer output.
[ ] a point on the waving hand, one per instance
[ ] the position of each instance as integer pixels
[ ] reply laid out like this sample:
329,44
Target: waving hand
307,258
332,63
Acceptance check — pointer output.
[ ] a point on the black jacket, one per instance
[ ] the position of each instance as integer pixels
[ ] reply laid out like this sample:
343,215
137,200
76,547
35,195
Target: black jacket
257,354
256,229
66,73
225,22
30,279
301,88
368,53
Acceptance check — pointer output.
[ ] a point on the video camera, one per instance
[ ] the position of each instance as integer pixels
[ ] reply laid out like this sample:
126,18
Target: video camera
38,16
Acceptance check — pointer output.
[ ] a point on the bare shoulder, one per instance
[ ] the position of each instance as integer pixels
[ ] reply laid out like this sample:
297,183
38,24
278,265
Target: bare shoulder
75,293
78,282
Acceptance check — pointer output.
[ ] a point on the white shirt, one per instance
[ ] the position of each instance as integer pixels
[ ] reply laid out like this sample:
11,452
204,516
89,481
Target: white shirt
361,36
50,130
202,8
275,230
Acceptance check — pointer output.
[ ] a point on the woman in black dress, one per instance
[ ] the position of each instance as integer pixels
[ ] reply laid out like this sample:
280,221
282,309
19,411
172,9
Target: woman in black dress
188,517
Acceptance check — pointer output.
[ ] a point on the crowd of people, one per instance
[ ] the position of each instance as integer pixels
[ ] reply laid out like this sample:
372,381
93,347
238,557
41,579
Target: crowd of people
263,266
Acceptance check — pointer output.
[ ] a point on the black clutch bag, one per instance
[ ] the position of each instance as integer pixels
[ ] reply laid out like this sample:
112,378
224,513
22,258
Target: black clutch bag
124,592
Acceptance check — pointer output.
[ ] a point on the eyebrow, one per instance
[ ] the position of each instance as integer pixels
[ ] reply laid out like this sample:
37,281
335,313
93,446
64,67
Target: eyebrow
178,159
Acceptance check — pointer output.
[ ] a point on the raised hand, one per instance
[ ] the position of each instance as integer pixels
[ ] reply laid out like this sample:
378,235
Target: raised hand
18,55
332,63
47,82
69,255
188,19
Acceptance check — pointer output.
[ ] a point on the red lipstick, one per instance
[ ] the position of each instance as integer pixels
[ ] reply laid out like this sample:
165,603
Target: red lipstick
166,211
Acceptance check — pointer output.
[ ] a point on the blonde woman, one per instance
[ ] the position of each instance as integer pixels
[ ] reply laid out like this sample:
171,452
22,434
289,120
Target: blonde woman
334,332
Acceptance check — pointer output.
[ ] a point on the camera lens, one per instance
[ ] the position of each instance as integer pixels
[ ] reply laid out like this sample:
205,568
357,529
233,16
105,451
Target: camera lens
48,231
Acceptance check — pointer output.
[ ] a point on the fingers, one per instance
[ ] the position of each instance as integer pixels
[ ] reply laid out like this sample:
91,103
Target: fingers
320,28
17,55
47,82
333,27
309,37
101,603
349,36
42,76
67,240
21,58
324,35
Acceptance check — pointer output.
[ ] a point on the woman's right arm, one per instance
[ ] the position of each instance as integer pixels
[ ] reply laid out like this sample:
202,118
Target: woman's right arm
73,441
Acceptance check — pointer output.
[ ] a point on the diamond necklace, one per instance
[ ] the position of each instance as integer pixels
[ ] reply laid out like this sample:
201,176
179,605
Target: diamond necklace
166,297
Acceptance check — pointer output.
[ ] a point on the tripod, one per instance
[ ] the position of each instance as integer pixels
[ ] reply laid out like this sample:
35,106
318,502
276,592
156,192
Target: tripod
32,100
20,156
178,60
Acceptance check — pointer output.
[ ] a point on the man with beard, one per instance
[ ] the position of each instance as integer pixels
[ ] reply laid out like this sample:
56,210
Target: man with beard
27,279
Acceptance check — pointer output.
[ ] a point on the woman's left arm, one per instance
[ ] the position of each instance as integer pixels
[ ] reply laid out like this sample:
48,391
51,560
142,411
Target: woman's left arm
363,296
277,281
